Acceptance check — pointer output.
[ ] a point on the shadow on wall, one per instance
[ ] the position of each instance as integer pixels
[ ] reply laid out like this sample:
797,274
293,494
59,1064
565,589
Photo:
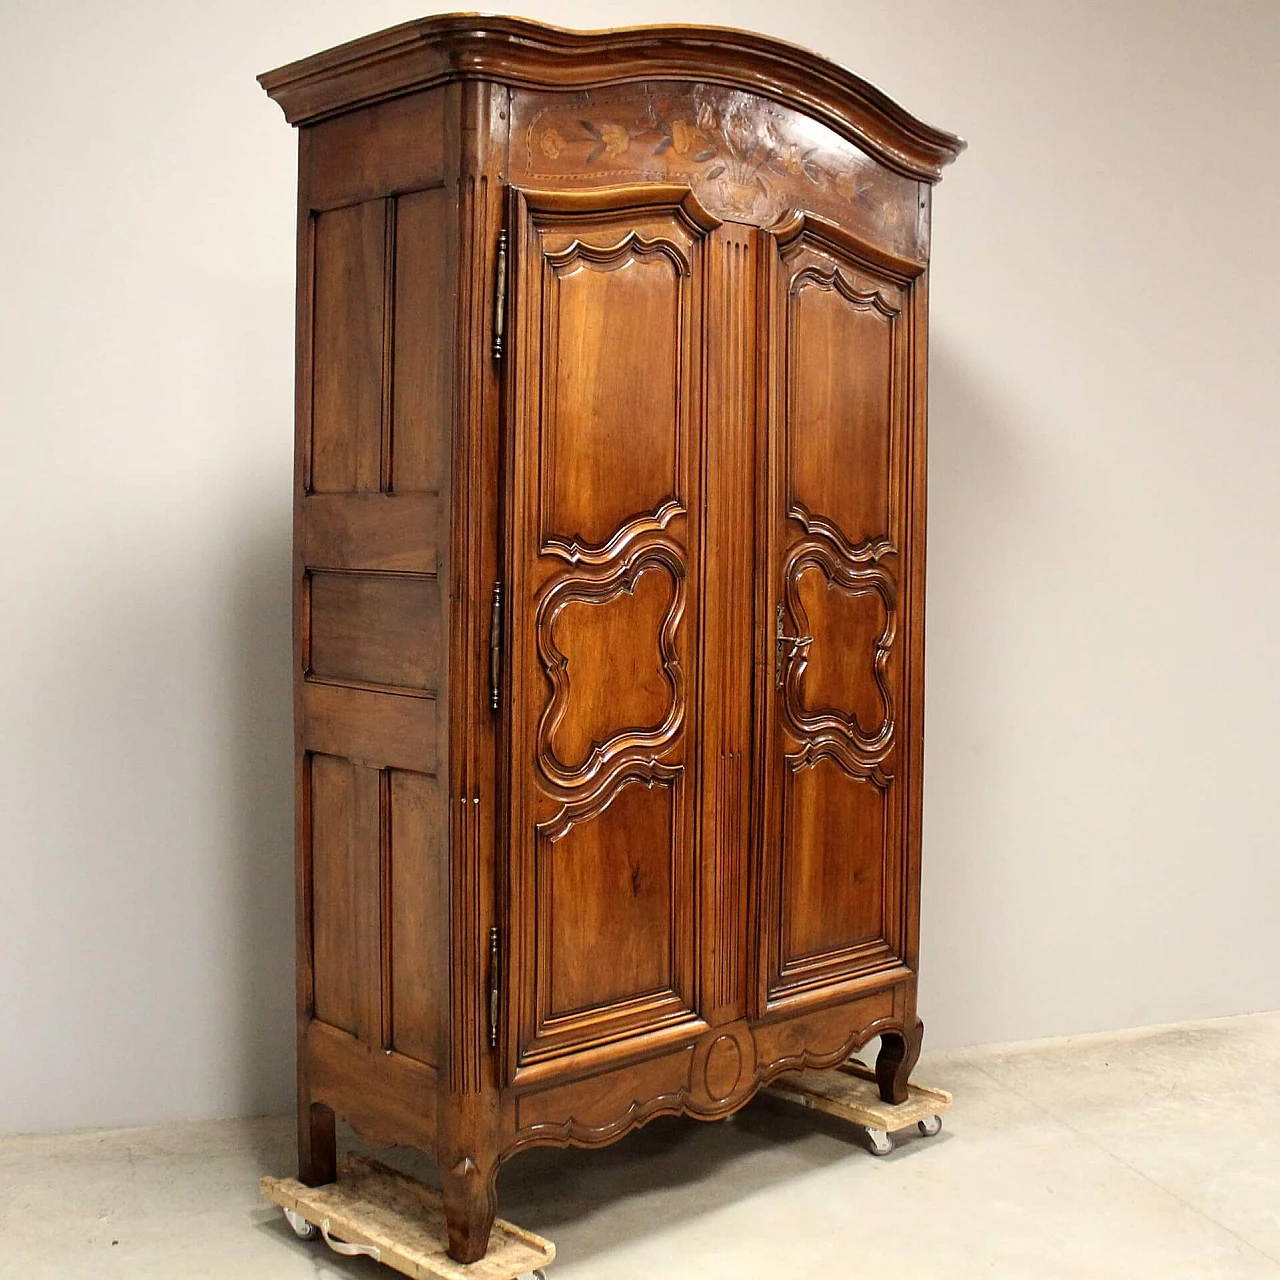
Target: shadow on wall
985,492
258,642
148,759
263,780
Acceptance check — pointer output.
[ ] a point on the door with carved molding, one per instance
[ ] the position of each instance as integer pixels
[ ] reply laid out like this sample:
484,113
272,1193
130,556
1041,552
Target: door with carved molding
602,457
833,900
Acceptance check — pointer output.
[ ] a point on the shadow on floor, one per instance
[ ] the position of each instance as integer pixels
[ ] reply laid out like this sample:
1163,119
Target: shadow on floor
673,1170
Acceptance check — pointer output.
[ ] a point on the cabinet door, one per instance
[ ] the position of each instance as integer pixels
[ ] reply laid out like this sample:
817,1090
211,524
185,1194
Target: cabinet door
602,499
834,890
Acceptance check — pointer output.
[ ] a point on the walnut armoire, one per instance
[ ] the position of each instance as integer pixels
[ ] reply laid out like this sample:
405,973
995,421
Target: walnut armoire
609,582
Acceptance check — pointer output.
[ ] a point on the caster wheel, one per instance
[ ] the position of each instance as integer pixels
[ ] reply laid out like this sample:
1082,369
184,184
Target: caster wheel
303,1229
931,1126
879,1142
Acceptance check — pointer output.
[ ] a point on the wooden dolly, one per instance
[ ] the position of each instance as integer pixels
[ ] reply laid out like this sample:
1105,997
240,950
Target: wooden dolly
850,1092
396,1220
392,1218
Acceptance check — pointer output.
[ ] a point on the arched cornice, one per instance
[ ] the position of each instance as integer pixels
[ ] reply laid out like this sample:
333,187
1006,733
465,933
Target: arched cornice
515,51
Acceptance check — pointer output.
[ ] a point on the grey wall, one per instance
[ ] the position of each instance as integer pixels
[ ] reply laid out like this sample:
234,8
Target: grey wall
1101,832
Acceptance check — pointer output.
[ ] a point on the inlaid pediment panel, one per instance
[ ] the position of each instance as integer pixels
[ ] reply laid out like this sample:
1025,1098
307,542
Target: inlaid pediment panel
747,159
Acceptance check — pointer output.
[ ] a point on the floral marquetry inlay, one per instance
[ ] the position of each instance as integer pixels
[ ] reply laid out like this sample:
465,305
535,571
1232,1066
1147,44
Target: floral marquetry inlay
733,148
746,159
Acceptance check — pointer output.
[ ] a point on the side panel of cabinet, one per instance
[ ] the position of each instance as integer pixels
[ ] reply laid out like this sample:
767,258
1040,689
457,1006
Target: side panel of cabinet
377,265
837,891
604,430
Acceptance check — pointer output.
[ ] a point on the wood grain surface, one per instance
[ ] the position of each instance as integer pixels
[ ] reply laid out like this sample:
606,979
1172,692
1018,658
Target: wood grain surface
608,583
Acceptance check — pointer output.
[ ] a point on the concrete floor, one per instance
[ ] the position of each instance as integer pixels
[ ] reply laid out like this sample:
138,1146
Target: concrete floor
1151,1153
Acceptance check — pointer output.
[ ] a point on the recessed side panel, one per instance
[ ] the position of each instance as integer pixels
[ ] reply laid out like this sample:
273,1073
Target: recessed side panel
422,359
345,853
415,914
375,628
332,805
346,395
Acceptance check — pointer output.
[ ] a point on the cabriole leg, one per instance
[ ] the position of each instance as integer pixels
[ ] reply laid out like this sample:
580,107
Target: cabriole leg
470,1200
899,1053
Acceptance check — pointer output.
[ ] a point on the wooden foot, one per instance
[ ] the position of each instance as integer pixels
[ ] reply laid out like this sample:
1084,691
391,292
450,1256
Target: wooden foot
470,1200
898,1055
317,1144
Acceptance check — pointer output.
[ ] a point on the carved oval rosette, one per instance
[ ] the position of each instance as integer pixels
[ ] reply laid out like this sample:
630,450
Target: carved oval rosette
722,1074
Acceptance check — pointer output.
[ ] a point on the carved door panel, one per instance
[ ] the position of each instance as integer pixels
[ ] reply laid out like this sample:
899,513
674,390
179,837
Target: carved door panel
833,892
604,404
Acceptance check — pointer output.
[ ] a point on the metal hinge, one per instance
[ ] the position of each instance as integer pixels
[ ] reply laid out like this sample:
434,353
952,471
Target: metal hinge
495,648
495,989
500,297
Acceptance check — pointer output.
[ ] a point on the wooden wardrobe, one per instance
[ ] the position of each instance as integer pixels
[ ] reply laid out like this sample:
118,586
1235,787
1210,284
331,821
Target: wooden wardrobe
609,582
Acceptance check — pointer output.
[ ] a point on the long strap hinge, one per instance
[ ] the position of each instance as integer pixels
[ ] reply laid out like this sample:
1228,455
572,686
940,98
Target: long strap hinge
500,297
495,648
495,987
